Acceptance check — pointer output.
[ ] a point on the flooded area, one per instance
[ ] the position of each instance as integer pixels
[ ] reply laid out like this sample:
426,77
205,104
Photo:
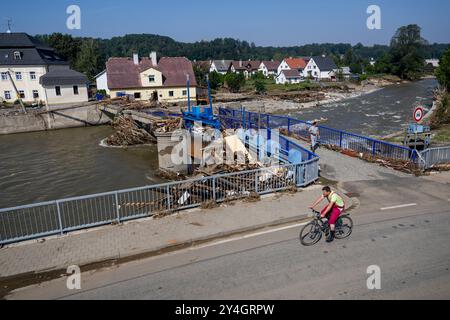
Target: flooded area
51,165
376,114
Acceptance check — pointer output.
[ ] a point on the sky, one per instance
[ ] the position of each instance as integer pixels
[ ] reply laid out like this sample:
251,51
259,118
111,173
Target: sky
264,22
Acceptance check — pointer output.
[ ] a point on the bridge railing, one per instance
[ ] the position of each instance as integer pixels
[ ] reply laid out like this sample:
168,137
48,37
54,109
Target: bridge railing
434,156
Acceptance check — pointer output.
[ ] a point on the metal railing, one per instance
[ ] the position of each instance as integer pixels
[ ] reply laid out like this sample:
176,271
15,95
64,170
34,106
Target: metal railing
62,216
334,137
434,156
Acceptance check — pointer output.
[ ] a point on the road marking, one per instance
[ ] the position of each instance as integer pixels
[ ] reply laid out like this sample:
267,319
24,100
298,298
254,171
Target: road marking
400,206
248,236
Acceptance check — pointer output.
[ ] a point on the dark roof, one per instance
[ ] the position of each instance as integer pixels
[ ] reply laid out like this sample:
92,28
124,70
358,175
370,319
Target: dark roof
272,65
123,73
32,51
222,65
294,73
62,76
324,63
246,65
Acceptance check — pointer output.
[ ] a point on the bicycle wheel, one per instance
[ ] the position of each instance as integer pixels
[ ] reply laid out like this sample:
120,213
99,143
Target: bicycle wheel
344,227
310,234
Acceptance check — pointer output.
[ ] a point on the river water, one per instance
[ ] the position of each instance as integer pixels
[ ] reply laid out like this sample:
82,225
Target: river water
46,166
52,165
376,114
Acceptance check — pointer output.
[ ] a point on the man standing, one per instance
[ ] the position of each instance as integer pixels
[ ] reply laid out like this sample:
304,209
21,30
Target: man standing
315,136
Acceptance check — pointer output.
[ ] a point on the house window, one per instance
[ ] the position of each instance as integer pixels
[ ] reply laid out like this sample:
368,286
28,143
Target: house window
33,75
8,95
22,94
75,90
4,76
171,93
17,55
151,79
58,90
184,92
137,95
35,94
19,76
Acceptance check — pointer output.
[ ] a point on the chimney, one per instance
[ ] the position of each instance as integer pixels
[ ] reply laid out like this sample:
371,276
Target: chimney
154,58
240,63
136,58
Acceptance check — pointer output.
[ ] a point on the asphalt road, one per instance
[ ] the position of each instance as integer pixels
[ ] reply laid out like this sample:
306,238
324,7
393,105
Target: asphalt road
402,226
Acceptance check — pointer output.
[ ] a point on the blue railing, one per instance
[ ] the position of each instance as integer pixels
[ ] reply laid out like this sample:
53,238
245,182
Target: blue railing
329,136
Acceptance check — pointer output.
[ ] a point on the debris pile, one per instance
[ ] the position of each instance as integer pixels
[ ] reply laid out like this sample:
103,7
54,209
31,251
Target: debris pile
128,133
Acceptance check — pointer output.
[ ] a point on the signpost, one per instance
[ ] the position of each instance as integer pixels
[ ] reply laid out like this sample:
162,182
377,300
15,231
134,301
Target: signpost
418,114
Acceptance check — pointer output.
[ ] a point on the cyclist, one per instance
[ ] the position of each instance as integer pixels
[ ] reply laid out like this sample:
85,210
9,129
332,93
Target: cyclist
334,209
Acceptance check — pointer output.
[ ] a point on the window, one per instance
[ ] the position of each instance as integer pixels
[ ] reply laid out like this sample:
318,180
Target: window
19,76
58,90
4,76
184,92
171,93
8,95
151,78
33,75
137,95
17,55
35,94
75,90
22,94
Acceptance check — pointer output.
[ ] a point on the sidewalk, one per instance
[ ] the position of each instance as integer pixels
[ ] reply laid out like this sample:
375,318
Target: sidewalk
153,235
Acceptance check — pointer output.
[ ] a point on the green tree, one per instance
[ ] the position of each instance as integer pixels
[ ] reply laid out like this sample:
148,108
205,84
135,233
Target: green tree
235,81
443,71
383,64
216,80
260,86
88,60
407,52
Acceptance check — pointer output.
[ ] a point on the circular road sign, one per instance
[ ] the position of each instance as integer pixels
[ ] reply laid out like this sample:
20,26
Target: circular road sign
418,114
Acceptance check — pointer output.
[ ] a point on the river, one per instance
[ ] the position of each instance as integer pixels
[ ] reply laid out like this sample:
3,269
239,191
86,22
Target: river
52,165
376,114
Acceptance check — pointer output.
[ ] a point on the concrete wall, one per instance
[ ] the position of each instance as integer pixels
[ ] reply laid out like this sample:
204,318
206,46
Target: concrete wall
70,118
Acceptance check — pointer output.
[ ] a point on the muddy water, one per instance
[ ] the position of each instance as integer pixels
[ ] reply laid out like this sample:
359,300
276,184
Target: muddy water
46,166
380,113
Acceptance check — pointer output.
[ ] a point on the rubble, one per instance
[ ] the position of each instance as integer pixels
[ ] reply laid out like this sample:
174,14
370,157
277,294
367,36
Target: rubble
128,133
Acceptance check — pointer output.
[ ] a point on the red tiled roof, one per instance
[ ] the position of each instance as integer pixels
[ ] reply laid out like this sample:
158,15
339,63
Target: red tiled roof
296,63
123,73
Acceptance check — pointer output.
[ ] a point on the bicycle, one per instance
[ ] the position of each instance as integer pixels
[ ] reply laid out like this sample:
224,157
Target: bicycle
312,233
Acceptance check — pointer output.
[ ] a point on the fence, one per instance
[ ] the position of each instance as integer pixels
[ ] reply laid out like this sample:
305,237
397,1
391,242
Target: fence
62,216
434,156
334,137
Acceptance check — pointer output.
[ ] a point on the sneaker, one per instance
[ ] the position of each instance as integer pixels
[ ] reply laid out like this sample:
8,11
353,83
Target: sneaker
331,237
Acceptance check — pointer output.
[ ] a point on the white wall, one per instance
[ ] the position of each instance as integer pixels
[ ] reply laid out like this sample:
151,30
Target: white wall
67,94
283,66
26,84
102,83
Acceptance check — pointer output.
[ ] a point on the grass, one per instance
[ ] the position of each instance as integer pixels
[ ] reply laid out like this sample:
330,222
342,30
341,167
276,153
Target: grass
271,86
442,135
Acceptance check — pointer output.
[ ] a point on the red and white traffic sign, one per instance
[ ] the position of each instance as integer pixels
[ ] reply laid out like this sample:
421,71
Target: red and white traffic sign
419,114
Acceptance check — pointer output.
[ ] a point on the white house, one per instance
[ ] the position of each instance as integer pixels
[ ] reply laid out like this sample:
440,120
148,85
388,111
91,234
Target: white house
320,68
298,64
220,66
269,68
102,81
433,62
37,72
289,76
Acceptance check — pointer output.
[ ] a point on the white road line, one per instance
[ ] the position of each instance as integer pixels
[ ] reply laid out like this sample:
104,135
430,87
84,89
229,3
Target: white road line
400,206
248,236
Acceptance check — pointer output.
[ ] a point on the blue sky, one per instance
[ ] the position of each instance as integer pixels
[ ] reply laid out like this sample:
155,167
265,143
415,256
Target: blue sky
264,22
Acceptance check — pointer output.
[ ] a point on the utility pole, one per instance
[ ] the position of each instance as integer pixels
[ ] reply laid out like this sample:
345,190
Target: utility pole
17,93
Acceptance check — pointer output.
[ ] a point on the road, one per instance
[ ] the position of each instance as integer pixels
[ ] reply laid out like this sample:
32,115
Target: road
403,229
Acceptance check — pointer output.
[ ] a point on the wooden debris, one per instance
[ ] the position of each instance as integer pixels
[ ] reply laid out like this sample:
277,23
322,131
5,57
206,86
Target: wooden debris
128,133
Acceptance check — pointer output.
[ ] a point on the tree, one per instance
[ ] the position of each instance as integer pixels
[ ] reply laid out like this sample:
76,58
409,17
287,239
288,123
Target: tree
383,64
88,60
200,71
216,80
443,71
407,52
235,81
260,86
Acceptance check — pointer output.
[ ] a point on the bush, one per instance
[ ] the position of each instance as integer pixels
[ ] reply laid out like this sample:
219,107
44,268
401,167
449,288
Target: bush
235,81
260,87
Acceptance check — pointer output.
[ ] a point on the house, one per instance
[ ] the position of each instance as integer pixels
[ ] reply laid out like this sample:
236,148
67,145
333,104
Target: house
248,68
220,66
298,64
269,68
320,68
149,79
434,63
289,76
102,81
345,71
38,73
